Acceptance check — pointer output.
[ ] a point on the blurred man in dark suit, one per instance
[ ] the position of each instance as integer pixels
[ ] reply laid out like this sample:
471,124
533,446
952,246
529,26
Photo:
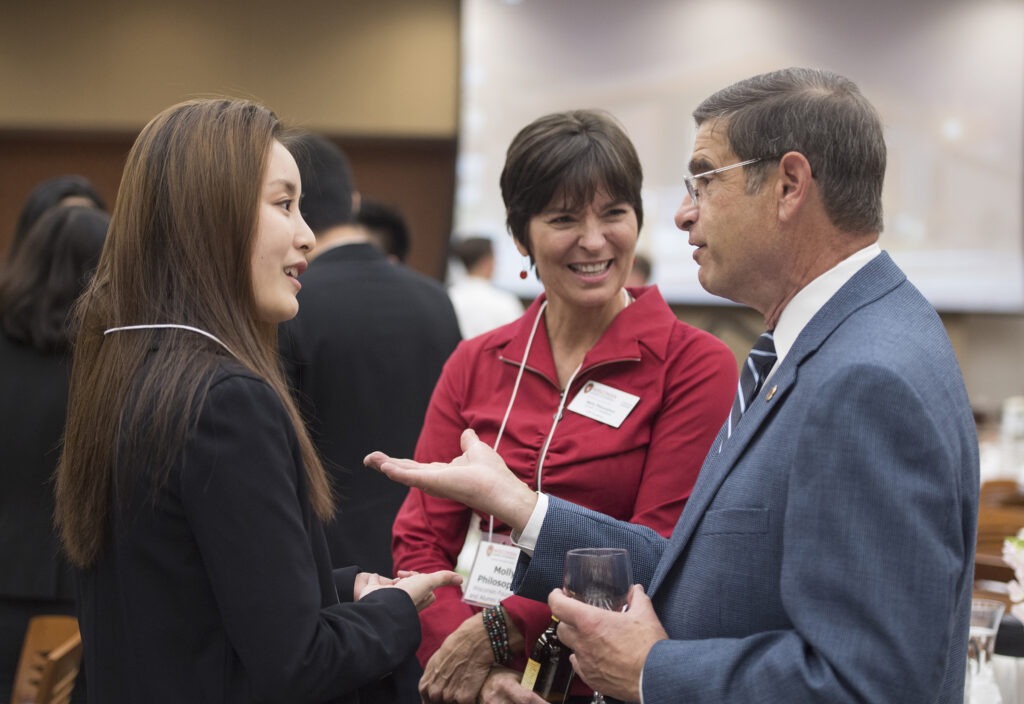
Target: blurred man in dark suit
362,355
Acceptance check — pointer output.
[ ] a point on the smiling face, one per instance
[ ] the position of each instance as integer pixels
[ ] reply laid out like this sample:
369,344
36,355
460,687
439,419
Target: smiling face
583,256
735,233
282,239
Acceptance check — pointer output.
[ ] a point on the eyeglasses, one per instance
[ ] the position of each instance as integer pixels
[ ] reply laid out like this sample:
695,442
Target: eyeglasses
691,181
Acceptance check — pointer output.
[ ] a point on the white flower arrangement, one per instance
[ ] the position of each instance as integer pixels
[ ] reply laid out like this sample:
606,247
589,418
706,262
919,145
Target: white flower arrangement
1013,555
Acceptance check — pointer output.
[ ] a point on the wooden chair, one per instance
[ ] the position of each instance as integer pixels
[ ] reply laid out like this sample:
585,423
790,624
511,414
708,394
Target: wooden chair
995,523
1000,492
50,657
1000,514
991,576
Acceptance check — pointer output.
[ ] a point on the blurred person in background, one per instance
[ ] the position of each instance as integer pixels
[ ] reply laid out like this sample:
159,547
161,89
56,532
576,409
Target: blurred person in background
479,304
387,227
69,189
640,274
37,289
362,355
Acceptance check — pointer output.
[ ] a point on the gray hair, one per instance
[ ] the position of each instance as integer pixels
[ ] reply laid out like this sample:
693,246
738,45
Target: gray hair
821,115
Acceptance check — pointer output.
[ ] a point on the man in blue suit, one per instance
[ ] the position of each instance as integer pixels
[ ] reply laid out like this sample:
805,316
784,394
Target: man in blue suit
826,554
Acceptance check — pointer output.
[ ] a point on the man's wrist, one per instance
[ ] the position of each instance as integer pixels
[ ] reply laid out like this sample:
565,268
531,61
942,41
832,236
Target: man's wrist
524,507
526,539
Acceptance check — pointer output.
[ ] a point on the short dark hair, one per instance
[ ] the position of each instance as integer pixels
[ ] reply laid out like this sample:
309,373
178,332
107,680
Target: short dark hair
387,226
821,115
470,250
48,194
571,155
48,273
327,181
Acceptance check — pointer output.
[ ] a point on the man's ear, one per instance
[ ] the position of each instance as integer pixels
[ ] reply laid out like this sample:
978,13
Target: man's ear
796,182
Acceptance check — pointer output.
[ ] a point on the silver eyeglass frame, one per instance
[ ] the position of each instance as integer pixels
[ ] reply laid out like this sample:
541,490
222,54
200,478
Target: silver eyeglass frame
691,181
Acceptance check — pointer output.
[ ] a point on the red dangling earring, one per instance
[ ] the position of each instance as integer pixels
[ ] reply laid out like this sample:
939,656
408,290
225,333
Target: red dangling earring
526,265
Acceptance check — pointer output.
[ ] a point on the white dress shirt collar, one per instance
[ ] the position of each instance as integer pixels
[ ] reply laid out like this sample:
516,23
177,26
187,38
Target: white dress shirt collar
812,297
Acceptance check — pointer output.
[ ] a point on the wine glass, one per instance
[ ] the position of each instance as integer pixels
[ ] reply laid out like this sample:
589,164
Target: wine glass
986,615
600,577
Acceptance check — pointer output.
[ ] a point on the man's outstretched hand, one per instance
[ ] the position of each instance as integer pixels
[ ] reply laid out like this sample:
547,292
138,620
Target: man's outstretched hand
477,478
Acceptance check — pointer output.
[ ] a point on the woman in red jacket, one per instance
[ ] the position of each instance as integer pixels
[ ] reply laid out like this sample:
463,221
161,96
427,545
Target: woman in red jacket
598,394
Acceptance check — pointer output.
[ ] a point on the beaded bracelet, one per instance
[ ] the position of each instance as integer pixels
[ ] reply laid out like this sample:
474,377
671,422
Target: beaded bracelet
497,633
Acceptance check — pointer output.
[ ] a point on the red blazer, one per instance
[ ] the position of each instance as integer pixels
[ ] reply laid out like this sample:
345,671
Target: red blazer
642,471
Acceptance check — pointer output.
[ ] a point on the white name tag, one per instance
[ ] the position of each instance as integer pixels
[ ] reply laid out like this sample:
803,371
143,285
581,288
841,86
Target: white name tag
604,404
490,581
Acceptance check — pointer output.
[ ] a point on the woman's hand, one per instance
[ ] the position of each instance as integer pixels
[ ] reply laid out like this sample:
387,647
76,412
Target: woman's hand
477,478
419,587
502,685
458,669
367,582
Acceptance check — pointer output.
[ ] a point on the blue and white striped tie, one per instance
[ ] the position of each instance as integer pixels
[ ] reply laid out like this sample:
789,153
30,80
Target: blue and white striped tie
756,368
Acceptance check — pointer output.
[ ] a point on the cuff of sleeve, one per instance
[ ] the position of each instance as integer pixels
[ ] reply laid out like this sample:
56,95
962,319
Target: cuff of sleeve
527,540
345,582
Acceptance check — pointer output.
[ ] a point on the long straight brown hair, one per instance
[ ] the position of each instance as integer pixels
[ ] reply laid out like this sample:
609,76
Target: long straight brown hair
179,250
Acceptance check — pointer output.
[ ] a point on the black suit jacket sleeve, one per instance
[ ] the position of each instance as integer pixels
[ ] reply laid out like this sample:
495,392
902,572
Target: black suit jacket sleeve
345,582
245,497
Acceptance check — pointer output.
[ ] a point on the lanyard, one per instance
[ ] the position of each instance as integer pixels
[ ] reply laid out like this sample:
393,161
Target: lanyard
561,403
511,401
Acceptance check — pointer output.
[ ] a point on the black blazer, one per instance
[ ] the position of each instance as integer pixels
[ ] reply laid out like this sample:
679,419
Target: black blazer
220,588
34,577
33,401
363,356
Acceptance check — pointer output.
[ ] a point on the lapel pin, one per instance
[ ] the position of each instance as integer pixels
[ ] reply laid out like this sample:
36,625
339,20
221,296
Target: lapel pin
771,392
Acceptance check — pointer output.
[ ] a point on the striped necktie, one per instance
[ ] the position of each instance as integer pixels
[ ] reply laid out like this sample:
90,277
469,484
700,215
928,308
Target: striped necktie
757,366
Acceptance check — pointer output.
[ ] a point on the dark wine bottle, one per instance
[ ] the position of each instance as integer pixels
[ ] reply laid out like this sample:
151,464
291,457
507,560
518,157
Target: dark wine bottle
548,671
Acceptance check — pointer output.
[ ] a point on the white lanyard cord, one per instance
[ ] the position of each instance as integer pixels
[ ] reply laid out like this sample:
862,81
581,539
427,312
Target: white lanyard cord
515,392
519,376
554,424
172,325
561,402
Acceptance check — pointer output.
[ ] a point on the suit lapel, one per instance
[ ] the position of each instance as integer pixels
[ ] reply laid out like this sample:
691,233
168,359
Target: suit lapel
873,281
717,465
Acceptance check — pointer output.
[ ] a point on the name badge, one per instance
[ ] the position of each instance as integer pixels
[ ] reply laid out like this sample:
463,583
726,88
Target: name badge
604,404
490,580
